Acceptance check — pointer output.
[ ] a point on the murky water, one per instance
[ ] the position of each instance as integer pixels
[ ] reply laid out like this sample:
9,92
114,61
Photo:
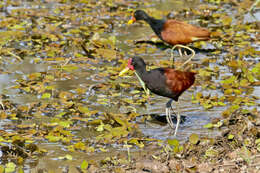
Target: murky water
196,115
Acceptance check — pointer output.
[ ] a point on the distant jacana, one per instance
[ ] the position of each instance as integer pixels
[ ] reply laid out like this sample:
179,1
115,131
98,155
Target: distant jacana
166,82
174,32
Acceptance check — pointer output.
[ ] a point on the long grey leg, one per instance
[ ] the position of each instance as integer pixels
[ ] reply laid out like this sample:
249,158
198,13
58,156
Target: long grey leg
168,113
178,119
178,116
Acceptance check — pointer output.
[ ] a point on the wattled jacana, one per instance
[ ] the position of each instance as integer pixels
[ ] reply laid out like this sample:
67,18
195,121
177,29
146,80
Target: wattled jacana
165,82
173,32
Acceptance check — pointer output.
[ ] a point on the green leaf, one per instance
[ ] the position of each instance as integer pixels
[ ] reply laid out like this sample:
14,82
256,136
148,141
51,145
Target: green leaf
121,122
46,96
227,20
10,167
65,124
250,78
2,169
257,141
60,115
84,165
208,126
258,147
219,124
256,69
100,128
20,170
221,104
229,80
230,136
173,142
194,138
53,138
80,146
68,157
83,110
211,153
69,68
112,39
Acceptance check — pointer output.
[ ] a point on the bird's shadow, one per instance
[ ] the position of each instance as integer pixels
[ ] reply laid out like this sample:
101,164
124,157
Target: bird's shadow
162,118
163,46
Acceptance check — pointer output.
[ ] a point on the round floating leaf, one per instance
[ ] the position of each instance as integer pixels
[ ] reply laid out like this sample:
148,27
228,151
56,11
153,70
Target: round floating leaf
46,96
211,153
230,136
208,126
69,68
83,110
10,167
258,147
173,142
219,124
257,141
100,128
53,138
84,165
194,138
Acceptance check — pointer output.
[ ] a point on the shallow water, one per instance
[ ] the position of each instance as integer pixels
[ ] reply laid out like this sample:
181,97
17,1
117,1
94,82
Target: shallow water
196,115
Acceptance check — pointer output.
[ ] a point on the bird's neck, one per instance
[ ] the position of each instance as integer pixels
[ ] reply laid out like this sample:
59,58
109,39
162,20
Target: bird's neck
156,24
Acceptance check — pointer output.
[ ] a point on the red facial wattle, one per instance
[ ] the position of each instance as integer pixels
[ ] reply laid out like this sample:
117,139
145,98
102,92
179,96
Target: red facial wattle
130,66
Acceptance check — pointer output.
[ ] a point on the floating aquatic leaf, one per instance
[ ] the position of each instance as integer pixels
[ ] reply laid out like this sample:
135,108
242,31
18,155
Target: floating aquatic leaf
66,157
80,146
173,142
84,110
211,153
65,124
20,170
10,167
230,136
107,53
208,126
221,104
100,128
46,96
136,142
227,20
219,124
120,121
229,80
194,138
103,150
53,138
69,68
84,165
61,114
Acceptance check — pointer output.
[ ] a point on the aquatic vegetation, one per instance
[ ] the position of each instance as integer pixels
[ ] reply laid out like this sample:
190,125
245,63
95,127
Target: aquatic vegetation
63,101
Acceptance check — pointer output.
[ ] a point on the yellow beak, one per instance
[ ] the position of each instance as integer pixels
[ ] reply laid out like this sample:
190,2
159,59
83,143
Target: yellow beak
123,71
131,21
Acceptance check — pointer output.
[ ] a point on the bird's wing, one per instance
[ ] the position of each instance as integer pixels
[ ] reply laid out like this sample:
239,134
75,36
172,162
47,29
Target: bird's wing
179,81
178,32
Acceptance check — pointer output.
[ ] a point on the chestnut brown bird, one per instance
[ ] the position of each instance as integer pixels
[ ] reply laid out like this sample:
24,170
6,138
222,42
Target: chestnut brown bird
174,32
166,82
